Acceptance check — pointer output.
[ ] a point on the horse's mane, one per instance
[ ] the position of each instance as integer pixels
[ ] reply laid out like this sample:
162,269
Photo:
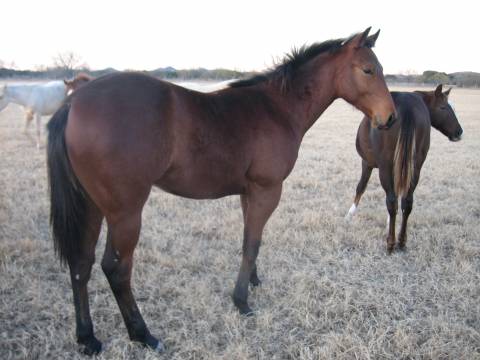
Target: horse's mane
284,70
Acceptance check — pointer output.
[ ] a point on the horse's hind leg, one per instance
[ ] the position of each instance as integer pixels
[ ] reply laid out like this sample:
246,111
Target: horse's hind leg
407,204
386,179
80,268
254,280
261,201
362,185
122,237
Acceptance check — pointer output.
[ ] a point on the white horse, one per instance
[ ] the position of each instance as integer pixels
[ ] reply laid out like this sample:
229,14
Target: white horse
39,99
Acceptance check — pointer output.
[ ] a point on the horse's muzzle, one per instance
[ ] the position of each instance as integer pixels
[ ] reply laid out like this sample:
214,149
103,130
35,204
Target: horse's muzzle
389,123
457,136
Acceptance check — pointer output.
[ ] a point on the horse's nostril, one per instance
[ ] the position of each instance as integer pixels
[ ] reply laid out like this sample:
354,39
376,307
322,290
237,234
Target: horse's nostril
391,120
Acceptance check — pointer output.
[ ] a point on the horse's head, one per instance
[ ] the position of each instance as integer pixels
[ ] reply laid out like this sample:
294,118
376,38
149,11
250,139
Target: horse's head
77,82
442,116
359,80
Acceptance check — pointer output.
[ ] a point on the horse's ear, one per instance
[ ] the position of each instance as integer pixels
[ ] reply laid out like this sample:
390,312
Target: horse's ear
446,93
370,42
438,90
358,40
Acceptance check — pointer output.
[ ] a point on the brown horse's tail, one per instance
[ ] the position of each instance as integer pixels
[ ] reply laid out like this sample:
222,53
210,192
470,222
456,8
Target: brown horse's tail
404,158
67,199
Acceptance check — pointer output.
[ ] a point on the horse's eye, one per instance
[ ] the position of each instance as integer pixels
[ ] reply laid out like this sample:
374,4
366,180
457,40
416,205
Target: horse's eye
443,107
368,71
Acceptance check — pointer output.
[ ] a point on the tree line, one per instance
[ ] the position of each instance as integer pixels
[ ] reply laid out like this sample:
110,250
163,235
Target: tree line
431,77
67,64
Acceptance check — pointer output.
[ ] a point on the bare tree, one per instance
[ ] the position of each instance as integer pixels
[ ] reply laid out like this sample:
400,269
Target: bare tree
68,61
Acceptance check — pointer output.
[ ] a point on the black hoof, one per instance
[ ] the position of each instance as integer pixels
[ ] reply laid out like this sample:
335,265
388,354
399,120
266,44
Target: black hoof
255,281
243,307
390,248
402,247
90,346
153,344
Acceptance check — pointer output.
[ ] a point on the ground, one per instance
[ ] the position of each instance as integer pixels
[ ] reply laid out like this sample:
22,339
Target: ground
329,289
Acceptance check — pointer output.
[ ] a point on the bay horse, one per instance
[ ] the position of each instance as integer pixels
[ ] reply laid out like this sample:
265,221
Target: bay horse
39,99
123,133
399,153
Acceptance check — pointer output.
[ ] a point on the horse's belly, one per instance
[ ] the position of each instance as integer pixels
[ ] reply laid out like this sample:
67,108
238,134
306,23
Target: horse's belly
201,184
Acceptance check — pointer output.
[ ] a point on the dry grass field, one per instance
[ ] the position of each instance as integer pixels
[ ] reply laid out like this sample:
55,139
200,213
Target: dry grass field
329,290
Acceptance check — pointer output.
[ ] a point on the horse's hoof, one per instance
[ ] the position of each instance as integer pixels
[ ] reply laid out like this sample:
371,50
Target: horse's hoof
90,346
402,247
243,307
246,311
390,249
255,281
154,344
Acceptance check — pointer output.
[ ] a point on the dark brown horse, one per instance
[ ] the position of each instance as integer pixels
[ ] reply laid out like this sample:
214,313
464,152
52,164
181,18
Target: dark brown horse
121,134
400,152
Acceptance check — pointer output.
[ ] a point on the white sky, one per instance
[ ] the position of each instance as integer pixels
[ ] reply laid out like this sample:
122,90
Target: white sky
243,35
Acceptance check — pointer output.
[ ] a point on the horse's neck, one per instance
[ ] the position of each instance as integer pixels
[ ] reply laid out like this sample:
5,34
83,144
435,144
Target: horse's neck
308,98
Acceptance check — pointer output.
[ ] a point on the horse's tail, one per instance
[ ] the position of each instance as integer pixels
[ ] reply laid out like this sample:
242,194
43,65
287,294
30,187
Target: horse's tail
67,199
404,158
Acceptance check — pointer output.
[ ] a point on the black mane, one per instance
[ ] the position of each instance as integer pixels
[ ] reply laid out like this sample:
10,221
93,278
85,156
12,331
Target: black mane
285,69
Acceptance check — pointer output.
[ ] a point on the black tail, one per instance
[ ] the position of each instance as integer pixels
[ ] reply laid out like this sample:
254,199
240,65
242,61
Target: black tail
404,159
67,199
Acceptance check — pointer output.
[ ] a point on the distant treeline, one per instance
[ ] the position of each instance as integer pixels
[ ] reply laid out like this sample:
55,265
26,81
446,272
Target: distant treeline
461,79
162,73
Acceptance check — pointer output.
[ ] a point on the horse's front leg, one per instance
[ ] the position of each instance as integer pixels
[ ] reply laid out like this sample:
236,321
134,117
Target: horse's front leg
254,280
261,202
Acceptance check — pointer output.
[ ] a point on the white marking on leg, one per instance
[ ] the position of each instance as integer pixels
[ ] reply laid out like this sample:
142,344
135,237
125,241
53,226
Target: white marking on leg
77,277
388,221
351,212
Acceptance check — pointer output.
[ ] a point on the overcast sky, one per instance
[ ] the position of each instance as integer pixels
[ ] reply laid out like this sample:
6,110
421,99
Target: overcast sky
244,35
